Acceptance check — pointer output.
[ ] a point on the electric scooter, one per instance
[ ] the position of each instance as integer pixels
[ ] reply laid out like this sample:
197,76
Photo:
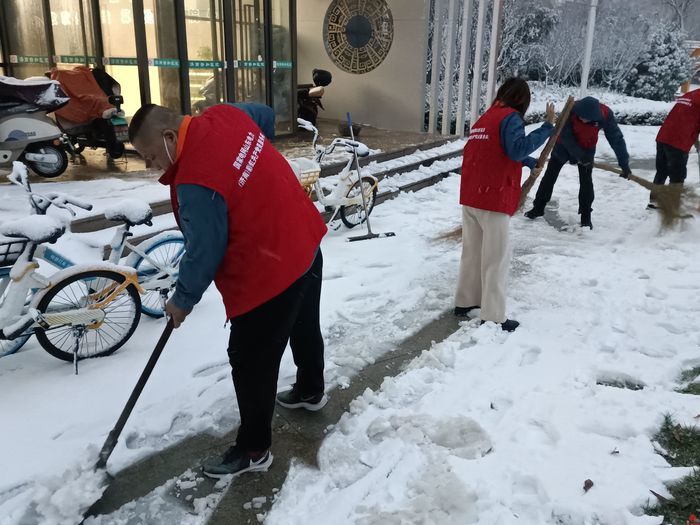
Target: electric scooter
26,132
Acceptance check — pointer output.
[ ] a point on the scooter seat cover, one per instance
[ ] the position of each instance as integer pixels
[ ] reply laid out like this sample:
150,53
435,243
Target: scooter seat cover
44,94
87,100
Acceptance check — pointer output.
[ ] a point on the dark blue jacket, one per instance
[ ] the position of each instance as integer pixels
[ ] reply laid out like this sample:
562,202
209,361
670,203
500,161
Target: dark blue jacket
568,149
262,115
517,145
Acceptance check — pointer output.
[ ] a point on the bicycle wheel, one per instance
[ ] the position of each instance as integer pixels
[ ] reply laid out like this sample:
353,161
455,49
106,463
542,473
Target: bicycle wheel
355,214
121,315
165,252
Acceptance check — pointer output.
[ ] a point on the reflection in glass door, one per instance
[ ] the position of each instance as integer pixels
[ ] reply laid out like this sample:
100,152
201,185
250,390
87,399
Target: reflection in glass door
163,62
205,51
117,19
72,32
282,81
27,48
250,51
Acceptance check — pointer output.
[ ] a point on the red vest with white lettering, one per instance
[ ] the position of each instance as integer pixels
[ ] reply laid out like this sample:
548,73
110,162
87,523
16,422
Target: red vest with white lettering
274,230
490,179
586,133
682,125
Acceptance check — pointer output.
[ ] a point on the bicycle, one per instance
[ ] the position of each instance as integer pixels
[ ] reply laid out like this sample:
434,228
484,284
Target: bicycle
80,312
344,198
155,260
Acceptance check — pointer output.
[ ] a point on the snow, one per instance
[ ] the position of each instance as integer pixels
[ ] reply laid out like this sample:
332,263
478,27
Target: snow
32,227
133,210
32,81
483,428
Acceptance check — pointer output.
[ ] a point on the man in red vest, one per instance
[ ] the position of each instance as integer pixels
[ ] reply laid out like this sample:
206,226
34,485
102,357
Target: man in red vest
250,228
675,138
577,144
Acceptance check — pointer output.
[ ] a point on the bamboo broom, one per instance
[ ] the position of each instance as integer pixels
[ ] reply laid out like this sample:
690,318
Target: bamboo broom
456,233
670,200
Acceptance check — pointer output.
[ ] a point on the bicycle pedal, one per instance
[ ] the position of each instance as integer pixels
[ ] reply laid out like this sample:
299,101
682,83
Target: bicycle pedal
335,225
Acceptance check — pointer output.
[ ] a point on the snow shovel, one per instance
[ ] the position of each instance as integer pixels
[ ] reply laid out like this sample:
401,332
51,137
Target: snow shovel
369,234
113,436
669,199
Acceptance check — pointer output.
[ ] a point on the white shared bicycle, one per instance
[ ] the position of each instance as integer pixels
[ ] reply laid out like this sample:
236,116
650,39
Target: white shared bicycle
342,197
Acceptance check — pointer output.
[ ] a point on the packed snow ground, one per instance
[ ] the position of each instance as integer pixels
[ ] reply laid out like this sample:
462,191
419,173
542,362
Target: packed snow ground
491,428
609,303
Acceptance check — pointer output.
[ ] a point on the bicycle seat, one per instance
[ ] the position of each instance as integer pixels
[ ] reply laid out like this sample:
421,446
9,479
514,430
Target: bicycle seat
35,228
350,145
131,211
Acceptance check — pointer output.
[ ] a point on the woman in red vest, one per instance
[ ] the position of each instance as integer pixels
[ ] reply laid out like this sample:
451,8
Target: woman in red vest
677,135
496,151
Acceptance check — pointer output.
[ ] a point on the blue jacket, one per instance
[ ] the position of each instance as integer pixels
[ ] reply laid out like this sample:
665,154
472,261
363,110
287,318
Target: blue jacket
517,145
262,115
568,149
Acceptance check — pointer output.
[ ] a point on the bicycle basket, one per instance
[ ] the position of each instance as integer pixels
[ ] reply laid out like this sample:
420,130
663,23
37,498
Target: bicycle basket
308,178
10,251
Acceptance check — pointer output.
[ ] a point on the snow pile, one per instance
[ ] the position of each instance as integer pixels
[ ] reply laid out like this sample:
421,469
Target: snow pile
61,499
488,427
134,211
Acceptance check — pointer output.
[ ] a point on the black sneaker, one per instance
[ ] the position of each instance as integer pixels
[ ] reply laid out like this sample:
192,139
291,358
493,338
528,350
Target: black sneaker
462,311
652,206
508,326
235,462
294,399
534,213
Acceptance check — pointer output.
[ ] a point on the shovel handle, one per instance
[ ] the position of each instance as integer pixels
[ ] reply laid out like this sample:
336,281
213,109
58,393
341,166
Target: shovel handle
113,436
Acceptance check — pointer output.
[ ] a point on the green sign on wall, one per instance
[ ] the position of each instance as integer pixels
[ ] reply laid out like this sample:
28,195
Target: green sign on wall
206,64
120,61
28,59
74,59
164,62
282,64
249,64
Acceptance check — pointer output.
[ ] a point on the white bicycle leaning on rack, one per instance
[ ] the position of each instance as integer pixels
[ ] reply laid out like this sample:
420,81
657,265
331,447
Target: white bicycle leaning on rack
82,311
343,198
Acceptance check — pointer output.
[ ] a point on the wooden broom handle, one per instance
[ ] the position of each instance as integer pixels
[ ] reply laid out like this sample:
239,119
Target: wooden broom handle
552,141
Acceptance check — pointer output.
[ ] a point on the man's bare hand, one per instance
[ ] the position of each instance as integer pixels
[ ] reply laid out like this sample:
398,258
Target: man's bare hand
550,114
535,172
176,313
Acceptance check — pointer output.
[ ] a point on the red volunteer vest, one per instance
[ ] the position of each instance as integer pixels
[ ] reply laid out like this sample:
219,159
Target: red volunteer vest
274,229
682,125
490,179
586,133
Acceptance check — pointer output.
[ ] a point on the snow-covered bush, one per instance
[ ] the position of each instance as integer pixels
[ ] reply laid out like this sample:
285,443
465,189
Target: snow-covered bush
664,65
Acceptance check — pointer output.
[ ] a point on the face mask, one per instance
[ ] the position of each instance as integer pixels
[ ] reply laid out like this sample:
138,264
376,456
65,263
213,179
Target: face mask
167,151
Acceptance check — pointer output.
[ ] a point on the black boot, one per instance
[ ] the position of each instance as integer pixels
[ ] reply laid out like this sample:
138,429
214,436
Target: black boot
463,311
534,213
586,220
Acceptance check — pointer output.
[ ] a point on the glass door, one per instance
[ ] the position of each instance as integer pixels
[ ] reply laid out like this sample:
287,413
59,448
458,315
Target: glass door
72,33
161,44
282,80
27,48
249,62
205,52
119,41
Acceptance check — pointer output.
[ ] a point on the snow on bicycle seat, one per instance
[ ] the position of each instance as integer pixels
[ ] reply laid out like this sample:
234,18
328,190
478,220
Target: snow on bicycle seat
362,150
131,211
35,228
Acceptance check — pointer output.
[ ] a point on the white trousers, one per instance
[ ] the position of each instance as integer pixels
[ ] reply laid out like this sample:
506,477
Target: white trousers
483,271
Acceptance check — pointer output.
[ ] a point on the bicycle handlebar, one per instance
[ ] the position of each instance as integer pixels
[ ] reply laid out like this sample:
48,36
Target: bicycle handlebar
40,202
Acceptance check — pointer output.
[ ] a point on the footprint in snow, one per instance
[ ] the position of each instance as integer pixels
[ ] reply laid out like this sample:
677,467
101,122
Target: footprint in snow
209,369
530,356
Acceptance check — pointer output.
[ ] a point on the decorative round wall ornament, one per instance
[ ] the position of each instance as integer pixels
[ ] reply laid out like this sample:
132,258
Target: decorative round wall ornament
358,34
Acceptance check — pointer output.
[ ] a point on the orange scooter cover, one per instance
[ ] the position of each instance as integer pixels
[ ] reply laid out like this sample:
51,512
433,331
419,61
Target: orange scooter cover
87,100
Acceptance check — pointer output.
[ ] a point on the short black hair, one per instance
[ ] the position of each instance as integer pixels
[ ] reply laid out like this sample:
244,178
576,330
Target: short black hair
515,93
138,119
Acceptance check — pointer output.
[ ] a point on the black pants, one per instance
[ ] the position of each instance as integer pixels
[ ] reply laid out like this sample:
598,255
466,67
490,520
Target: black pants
671,163
258,339
586,194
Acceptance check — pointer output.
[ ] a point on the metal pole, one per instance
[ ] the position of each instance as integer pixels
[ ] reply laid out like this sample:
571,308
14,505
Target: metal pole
229,51
141,51
586,67
435,73
493,50
293,36
475,107
184,71
449,67
465,59
97,38
48,30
